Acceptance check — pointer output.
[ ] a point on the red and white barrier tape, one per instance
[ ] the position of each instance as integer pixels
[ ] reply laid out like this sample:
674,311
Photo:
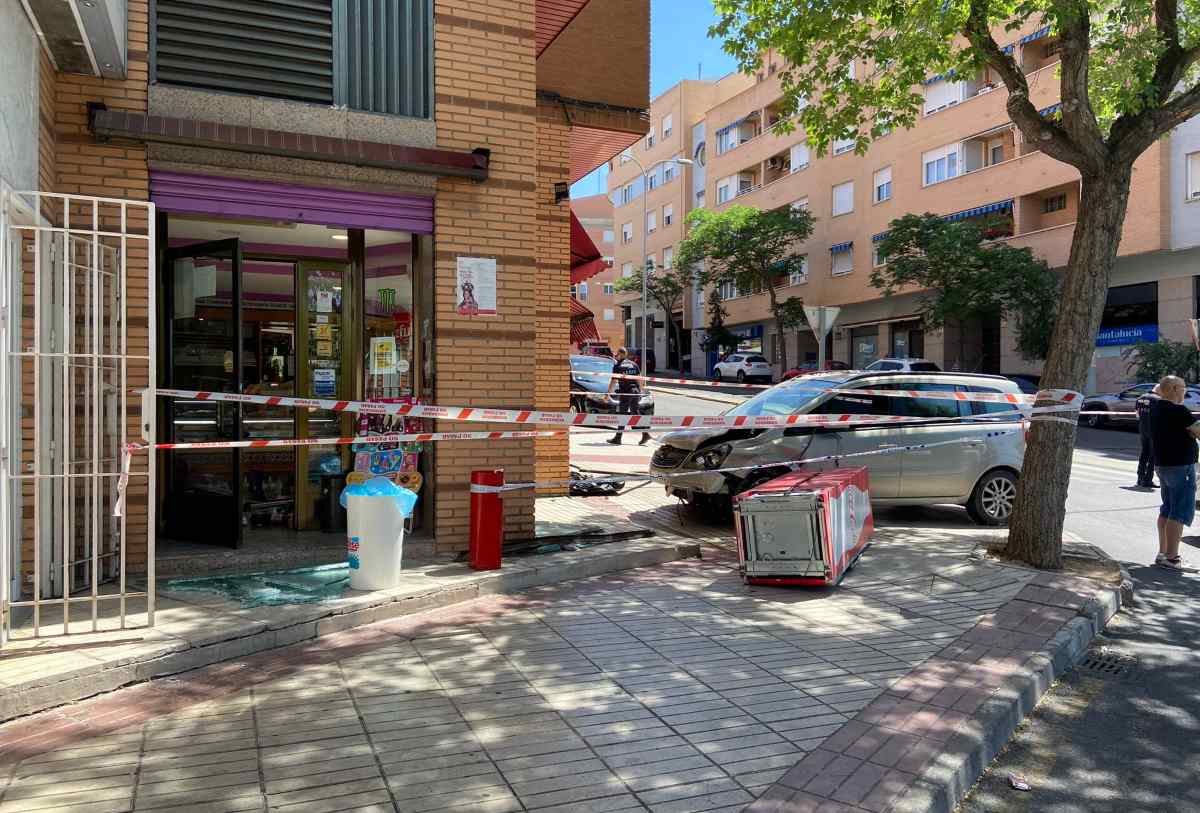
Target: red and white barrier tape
371,440
790,464
1064,399
693,382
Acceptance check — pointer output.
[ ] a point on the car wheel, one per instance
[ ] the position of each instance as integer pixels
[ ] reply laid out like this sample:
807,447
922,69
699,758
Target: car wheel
992,501
741,376
1093,421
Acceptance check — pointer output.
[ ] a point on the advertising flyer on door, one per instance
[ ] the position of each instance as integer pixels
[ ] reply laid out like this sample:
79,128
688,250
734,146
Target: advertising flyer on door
476,286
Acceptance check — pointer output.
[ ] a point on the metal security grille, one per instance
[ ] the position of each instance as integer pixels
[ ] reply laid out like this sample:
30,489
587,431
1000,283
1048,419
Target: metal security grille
76,338
277,48
385,54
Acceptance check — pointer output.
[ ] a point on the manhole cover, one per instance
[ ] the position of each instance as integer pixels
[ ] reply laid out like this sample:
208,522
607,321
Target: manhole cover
1107,664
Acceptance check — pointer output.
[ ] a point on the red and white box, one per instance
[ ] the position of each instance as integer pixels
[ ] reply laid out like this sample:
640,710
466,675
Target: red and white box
805,528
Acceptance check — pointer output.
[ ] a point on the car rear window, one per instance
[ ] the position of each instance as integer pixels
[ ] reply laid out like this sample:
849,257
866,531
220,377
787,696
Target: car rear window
756,359
886,365
988,407
924,367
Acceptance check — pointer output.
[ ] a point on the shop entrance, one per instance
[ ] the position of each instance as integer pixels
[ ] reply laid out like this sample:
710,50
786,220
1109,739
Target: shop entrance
242,319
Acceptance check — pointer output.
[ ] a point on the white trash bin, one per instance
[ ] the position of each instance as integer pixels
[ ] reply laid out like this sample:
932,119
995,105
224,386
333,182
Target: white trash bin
375,512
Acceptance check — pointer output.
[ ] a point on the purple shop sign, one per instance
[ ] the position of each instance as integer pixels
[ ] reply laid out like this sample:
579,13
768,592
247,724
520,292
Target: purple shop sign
325,206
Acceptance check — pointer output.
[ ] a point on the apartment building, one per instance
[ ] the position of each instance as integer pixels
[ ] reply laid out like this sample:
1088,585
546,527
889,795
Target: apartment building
962,160
284,199
595,214
649,209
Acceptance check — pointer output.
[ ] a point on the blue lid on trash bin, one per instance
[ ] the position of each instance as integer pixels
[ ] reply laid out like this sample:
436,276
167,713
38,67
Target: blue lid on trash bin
382,487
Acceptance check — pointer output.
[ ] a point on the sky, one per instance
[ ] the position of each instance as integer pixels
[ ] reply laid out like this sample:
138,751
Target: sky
679,49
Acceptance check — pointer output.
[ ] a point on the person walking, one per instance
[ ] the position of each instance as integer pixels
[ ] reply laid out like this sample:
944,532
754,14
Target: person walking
1173,433
628,390
1145,472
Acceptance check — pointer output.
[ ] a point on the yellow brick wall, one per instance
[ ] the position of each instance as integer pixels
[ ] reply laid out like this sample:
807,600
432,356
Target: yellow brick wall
485,97
551,373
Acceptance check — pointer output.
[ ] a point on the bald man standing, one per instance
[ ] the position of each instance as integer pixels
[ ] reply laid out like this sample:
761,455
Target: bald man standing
1173,431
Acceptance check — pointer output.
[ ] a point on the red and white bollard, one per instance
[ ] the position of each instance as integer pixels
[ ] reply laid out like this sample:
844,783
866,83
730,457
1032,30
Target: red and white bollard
487,520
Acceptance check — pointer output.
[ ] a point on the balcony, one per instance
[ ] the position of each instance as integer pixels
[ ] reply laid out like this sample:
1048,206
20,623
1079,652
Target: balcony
989,149
777,166
740,132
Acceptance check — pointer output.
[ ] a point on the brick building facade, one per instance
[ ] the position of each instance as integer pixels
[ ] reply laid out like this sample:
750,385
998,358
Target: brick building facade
352,173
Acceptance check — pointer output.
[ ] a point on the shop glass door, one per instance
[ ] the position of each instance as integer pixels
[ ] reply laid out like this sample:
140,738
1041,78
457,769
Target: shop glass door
326,348
203,292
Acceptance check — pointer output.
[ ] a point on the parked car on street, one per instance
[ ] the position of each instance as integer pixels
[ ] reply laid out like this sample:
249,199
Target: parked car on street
744,367
810,367
980,473
597,398
905,365
1121,407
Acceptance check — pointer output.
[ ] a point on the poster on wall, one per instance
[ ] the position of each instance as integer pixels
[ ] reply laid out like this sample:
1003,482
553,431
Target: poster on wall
476,286
383,355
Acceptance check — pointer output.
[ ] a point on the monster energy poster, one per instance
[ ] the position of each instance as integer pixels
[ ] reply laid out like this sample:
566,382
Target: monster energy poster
476,292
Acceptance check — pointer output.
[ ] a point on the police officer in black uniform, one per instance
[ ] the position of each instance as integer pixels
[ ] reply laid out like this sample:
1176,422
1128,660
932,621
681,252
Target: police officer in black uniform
629,391
1145,474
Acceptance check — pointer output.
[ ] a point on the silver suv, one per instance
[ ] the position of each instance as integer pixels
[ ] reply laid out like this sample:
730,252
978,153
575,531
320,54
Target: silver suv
980,473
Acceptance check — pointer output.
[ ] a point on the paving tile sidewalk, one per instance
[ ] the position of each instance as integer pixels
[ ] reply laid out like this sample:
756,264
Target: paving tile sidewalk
672,688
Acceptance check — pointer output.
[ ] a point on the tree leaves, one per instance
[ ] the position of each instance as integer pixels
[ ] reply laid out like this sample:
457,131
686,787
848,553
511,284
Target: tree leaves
964,277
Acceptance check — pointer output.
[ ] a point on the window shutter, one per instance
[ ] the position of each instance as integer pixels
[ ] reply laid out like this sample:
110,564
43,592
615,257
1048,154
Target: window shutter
843,198
799,156
386,53
277,48
1194,175
941,94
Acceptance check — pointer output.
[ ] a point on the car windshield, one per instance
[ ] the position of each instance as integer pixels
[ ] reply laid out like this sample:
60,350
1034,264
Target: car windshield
923,367
592,364
786,398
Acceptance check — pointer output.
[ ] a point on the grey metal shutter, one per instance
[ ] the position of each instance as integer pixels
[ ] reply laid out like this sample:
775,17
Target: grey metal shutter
277,48
386,56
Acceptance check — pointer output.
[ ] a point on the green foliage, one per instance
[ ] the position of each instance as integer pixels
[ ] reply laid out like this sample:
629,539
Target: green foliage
749,247
717,337
664,286
897,44
753,249
964,277
1150,361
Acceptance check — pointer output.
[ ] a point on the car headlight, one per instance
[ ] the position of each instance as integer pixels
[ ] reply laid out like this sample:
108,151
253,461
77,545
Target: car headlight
600,397
711,458
647,399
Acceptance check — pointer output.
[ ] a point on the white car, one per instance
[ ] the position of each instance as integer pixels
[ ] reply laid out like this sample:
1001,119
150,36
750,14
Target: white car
905,365
744,367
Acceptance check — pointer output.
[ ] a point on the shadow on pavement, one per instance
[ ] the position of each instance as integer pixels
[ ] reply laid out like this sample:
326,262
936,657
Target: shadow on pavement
1106,742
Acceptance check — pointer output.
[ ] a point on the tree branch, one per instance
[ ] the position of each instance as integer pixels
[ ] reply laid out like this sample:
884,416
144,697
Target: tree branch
1049,136
1078,118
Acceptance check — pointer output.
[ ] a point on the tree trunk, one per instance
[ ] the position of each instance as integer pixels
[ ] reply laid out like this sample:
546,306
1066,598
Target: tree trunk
779,340
1035,530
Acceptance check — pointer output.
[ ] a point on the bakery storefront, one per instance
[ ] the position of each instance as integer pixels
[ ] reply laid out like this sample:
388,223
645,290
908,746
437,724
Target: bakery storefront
284,290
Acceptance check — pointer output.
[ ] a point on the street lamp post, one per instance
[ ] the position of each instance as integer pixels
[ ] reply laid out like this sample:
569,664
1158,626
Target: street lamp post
645,244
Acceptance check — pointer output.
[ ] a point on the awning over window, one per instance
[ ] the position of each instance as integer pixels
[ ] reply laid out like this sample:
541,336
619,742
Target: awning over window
729,127
583,323
1036,35
947,76
586,261
838,248
991,208
877,238
1051,110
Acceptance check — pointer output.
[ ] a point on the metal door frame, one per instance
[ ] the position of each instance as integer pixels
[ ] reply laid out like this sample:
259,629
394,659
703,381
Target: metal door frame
84,456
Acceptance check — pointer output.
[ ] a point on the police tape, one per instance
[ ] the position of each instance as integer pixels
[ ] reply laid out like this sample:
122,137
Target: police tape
368,440
791,465
1063,401
691,382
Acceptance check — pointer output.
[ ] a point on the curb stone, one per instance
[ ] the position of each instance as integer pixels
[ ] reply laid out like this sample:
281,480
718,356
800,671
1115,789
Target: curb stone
981,739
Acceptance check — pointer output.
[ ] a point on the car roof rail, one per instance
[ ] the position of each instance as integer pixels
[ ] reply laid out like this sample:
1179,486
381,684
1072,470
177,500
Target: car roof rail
876,373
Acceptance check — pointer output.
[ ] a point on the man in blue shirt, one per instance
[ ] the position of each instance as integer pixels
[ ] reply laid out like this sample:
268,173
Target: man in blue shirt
1173,431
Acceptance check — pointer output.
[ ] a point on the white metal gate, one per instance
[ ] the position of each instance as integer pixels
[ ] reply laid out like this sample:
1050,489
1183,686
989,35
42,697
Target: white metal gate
77,330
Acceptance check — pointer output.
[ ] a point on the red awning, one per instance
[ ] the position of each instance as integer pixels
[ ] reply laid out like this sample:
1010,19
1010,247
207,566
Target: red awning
583,323
586,261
